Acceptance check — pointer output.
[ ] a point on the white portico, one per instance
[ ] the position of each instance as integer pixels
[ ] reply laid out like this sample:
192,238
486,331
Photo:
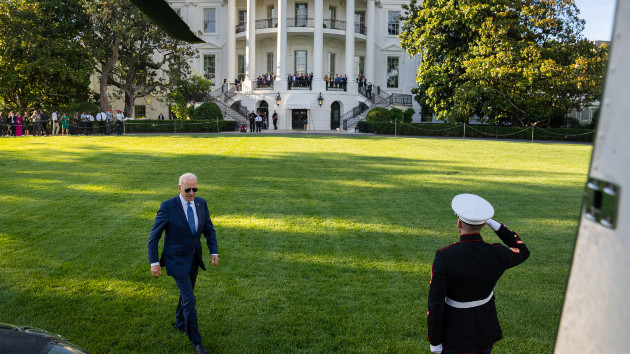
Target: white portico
279,50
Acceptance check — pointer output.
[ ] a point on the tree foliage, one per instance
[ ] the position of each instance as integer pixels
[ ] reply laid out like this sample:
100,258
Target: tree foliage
521,61
134,55
150,62
42,59
183,89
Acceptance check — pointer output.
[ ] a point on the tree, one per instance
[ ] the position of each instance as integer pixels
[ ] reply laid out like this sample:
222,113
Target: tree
522,61
107,27
133,54
183,90
150,62
42,60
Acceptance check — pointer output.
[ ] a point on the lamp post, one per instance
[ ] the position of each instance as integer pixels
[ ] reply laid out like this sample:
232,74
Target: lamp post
320,99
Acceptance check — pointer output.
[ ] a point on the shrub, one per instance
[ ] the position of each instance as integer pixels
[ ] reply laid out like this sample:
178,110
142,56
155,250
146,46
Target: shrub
378,114
477,131
396,114
208,110
179,126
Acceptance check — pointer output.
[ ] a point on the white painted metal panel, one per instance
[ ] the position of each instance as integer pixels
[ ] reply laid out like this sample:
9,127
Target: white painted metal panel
596,313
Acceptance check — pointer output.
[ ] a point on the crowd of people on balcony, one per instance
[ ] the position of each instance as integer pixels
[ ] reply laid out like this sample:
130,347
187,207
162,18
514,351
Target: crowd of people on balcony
337,81
301,80
265,79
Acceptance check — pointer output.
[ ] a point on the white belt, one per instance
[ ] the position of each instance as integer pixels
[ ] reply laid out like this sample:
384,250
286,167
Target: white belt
468,304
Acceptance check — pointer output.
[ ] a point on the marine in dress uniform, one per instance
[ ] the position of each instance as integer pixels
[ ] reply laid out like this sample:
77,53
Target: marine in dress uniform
462,316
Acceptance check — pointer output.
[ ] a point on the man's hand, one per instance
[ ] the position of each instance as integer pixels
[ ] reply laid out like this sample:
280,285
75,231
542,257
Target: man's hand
156,270
215,259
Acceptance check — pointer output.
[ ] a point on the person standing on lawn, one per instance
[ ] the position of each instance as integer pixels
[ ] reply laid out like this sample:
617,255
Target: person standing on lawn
184,218
462,317
274,117
120,120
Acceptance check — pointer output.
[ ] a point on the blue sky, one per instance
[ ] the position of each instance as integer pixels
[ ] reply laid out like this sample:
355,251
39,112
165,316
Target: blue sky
599,16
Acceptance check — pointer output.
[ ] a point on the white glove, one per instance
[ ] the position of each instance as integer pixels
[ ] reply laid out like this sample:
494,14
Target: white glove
493,224
436,348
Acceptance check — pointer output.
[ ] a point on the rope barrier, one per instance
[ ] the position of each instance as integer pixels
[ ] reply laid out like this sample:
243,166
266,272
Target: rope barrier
498,135
548,132
429,130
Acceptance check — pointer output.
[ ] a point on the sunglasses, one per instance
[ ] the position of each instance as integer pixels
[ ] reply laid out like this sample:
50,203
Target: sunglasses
187,190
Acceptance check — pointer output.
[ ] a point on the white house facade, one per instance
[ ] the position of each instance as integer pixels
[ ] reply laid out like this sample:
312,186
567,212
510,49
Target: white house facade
286,55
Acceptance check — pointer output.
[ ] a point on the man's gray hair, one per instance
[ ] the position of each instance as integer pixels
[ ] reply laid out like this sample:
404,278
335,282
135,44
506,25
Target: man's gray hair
186,176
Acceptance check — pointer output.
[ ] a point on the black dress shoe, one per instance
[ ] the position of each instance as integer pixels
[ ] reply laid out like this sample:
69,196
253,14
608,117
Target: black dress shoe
200,349
181,329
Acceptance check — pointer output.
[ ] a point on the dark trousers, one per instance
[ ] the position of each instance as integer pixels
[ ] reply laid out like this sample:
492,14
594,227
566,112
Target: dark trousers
37,126
275,124
85,127
186,314
109,127
252,126
101,127
258,125
120,127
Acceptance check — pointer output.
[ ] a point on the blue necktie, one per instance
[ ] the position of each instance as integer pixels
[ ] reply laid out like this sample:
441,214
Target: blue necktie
191,218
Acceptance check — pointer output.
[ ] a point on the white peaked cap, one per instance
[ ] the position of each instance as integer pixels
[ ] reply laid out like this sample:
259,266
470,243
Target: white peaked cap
472,209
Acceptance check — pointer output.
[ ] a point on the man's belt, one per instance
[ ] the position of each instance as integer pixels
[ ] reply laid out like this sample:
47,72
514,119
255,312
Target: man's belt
468,304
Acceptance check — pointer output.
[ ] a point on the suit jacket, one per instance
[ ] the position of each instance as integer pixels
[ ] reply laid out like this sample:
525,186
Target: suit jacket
468,271
181,247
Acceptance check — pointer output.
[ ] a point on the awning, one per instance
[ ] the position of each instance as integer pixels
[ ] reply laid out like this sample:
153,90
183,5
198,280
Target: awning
298,101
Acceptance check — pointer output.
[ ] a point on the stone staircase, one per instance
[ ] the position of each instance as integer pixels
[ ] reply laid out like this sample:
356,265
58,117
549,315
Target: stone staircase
378,98
224,97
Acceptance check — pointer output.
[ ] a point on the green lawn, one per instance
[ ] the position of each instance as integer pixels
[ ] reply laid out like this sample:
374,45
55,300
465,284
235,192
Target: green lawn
325,242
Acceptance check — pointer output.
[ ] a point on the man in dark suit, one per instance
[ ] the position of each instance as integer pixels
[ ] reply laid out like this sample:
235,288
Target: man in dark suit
184,218
462,317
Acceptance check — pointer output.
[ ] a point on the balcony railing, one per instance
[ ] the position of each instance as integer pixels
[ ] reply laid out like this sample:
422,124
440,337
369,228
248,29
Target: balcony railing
301,83
300,22
267,23
336,86
335,24
360,29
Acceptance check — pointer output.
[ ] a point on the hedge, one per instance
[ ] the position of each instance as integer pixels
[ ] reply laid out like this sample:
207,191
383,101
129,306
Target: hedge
477,131
179,126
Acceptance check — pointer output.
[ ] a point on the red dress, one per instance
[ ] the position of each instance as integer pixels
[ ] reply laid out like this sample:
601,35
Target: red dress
18,127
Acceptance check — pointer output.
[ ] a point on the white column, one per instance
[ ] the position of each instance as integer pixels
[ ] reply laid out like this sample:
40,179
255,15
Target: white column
250,44
369,42
352,83
231,42
281,48
318,47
